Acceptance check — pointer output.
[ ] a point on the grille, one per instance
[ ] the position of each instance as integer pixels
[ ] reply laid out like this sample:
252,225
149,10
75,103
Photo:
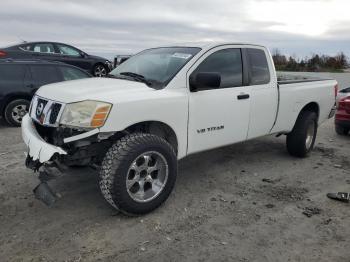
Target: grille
41,103
55,110
46,112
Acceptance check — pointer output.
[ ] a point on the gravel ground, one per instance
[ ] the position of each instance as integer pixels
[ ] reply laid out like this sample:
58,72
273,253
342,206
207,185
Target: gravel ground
239,203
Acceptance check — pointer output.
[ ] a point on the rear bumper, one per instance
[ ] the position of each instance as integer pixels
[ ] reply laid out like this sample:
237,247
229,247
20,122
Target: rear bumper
37,148
343,123
333,110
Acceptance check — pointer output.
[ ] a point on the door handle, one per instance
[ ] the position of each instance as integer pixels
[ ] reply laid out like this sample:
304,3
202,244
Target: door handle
243,96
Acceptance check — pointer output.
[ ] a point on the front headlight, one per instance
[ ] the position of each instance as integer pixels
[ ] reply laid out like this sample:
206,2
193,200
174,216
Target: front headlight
85,114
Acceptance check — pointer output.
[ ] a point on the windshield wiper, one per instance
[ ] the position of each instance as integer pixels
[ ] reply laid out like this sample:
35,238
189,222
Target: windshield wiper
137,77
114,76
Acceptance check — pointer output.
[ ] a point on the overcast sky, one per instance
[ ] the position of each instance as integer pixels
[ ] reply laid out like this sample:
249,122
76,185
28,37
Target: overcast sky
108,27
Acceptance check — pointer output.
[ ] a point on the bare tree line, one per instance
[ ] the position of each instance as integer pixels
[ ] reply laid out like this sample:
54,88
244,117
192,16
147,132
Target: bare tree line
315,63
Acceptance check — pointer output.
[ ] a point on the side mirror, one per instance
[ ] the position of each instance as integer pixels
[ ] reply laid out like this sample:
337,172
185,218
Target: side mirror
204,81
82,54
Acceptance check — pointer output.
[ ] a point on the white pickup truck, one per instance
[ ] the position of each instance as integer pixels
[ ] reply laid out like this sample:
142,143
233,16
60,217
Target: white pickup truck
162,105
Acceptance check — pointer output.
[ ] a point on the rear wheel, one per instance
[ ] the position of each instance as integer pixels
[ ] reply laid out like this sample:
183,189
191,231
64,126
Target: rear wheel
138,173
15,111
302,138
340,130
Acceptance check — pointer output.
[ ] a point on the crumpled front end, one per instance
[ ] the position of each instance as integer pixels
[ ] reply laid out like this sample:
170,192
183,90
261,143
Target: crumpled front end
51,147
37,148
48,140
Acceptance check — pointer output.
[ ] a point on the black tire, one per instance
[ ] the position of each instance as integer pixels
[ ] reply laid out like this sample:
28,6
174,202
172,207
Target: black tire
299,143
15,111
100,70
340,130
116,166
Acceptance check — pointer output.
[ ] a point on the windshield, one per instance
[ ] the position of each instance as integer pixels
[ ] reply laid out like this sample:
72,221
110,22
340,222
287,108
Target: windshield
155,67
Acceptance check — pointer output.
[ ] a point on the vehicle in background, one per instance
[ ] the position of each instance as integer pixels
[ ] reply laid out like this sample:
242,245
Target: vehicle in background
20,79
342,116
343,93
52,51
162,105
119,59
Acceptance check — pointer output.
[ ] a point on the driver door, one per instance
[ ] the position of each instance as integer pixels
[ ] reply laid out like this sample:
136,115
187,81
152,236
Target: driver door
219,116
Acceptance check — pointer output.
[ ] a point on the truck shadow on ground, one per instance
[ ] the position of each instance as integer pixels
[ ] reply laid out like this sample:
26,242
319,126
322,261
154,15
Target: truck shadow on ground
200,172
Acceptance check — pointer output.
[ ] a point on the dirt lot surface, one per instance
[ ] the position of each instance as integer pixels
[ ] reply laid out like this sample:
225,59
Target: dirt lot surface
240,203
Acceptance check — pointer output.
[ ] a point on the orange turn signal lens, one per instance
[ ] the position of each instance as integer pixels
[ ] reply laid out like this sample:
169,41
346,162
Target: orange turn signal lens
100,116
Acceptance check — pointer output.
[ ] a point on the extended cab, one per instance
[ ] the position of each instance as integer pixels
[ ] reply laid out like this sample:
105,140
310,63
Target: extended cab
164,104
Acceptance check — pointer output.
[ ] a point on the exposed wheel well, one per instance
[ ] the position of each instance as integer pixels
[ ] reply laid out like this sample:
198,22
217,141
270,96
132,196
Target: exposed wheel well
157,128
311,107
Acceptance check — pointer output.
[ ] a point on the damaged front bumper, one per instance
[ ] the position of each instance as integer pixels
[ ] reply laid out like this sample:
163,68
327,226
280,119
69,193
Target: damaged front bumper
51,160
41,151
37,148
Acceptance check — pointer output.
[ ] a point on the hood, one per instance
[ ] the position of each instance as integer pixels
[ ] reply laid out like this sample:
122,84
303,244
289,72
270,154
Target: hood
100,89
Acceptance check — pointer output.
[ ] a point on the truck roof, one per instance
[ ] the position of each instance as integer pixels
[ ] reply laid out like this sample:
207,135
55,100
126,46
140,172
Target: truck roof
210,44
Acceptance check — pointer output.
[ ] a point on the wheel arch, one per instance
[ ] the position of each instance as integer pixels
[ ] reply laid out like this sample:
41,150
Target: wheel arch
311,107
158,128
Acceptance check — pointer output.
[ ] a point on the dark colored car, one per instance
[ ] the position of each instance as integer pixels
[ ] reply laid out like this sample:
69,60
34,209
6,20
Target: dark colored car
342,116
19,80
51,51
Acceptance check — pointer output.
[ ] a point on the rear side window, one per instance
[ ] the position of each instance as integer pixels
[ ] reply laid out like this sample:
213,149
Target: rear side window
12,72
69,73
227,63
44,48
44,74
258,67
26,47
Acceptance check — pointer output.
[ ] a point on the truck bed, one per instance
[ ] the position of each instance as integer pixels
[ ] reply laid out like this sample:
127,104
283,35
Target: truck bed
284,79
295,91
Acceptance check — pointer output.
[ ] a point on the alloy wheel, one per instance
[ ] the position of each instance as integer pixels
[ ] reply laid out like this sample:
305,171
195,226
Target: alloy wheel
147,176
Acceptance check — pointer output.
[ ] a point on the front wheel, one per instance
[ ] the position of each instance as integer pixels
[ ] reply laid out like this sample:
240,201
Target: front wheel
302,138
15,111
138,173
100,70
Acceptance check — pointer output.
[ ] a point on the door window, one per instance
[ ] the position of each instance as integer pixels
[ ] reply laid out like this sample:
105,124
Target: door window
67,50
44,74
227,63
44,48
258,67
69,73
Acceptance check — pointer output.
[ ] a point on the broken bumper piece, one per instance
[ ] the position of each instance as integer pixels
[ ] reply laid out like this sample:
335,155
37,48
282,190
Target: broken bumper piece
37,148
44,193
